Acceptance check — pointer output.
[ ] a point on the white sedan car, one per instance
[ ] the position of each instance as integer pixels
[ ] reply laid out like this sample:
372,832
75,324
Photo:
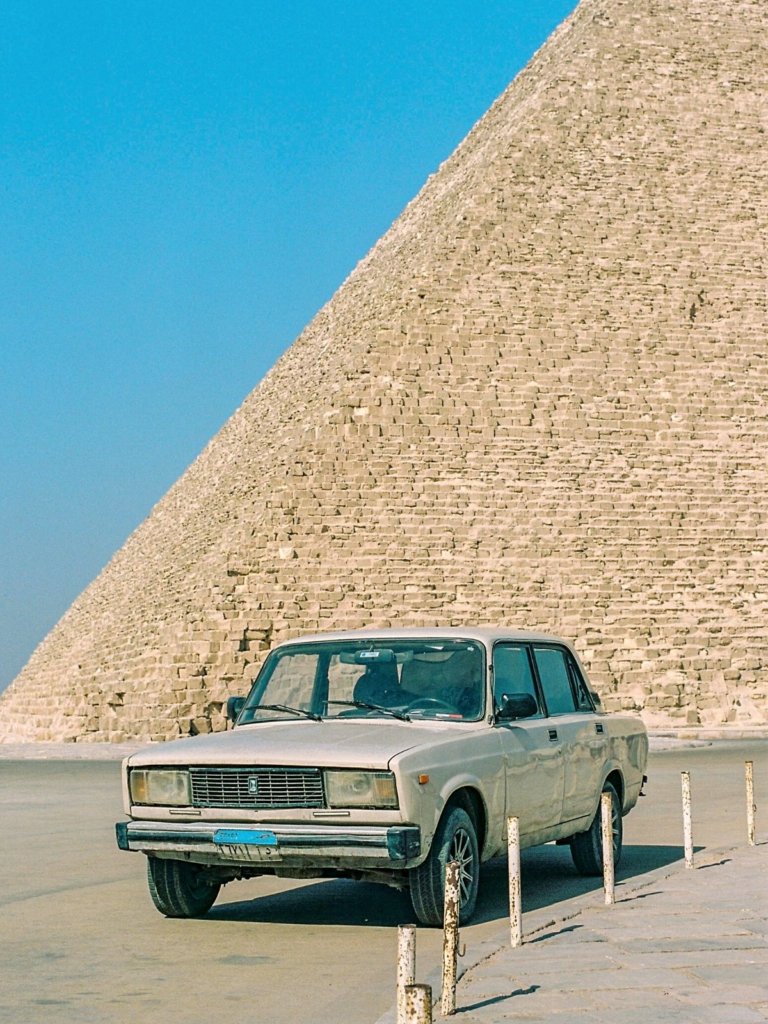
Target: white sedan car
382,755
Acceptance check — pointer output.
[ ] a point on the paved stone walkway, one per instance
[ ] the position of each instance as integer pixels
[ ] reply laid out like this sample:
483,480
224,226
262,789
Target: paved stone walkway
690,946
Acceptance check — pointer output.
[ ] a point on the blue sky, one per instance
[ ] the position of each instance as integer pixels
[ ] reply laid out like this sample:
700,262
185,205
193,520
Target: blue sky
182,186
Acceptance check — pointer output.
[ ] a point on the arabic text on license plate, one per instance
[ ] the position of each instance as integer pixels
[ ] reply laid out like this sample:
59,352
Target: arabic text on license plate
244,836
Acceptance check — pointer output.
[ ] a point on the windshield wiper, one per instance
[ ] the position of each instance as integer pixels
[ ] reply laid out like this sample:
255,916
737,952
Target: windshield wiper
372,707
301,712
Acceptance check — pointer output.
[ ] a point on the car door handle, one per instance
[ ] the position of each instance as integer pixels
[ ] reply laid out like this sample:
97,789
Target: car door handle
599,727
553,734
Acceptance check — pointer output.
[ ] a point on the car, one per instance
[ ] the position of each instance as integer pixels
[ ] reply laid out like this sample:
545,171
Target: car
382,755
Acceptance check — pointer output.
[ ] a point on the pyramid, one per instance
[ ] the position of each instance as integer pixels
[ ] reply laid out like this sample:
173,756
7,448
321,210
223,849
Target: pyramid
540,401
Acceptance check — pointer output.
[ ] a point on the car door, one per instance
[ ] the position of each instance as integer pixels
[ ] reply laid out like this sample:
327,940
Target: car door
532,750
579,730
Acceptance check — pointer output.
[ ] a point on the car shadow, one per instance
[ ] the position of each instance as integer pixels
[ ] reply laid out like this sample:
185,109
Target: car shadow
548,878
330,902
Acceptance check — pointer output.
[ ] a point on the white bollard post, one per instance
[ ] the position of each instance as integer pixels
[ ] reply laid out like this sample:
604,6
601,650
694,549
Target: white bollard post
406,965
687,827
451,938
606,811
418,1004
515,888
750,780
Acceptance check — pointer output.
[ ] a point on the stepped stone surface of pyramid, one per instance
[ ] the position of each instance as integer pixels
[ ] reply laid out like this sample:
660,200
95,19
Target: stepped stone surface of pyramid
540,401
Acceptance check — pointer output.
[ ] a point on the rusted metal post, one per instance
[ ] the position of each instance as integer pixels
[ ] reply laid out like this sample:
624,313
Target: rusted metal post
515,889
606,813
451,938
406,965
750,780
687,828
418,1004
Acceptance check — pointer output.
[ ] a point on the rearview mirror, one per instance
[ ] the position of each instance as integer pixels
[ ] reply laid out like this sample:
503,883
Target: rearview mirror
234,707
376,656
516,705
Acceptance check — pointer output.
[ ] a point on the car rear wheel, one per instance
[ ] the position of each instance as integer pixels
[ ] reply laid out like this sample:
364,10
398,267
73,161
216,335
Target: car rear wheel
180,889
587,847
455,839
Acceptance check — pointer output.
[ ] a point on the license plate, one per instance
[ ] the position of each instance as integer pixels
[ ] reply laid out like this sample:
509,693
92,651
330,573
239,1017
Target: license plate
244,837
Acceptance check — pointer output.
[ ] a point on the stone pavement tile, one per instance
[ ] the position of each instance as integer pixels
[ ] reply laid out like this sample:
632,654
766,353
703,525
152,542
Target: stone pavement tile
735,909
533,1004
718,944
754,973
557,949
697,958
557,962
686,1014
724,899
706,995
566,932
719,1014
575,977
669,933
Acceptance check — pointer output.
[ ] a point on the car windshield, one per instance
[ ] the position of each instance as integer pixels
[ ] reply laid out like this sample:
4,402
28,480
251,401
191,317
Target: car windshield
405,678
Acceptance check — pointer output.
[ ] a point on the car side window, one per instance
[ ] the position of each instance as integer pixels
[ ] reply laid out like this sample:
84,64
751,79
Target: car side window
555,680
583,699
512,672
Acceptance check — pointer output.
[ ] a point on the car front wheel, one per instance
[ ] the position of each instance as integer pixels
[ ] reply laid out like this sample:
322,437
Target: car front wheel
587,847
180,889
455,840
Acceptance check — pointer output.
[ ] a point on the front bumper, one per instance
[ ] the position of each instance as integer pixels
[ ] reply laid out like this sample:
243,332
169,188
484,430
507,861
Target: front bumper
319,846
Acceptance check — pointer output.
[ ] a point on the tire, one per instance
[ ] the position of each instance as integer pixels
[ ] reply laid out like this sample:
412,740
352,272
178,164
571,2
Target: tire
180,889
587,847
455,839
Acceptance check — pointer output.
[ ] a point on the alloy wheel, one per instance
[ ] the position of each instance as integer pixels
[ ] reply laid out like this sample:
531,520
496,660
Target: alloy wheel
461,852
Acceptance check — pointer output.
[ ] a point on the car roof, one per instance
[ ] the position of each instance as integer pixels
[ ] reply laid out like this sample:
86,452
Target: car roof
487,635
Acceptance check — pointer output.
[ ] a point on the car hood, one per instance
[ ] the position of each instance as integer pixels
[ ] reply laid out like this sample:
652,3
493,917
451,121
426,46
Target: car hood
329,744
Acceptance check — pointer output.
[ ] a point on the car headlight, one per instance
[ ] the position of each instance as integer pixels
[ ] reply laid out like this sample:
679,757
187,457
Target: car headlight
360,789
160,787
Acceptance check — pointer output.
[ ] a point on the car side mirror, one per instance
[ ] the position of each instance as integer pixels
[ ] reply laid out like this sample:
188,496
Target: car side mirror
596,699
234,707
516,705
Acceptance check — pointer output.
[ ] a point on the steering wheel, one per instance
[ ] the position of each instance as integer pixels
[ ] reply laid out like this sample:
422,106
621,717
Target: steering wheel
432,702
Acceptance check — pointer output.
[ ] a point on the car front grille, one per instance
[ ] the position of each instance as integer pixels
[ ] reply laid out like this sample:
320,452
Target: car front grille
257,787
